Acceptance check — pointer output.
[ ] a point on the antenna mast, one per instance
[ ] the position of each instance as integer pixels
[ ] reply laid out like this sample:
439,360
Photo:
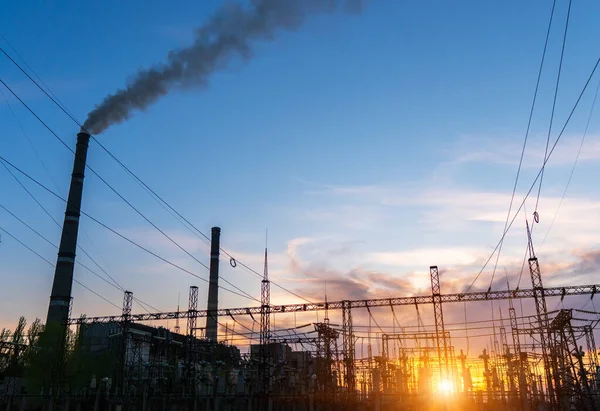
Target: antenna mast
177,329
265,324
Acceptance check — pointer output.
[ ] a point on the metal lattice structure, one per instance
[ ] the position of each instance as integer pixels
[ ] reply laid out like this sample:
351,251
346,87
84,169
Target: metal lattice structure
159,358
441,342
327,371
339,305
265,327
591,349
122,366
543,324
519,359
514,326
348,347
177,328
572,386
192,322
542,317
415,370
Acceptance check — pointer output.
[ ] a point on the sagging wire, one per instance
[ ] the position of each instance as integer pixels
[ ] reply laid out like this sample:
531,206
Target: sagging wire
2,159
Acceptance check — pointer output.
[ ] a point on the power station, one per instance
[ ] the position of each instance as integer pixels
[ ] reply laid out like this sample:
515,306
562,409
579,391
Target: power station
550,364
510,350
544,361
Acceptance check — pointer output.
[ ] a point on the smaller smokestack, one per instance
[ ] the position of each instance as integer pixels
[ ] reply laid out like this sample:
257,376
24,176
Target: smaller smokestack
213,285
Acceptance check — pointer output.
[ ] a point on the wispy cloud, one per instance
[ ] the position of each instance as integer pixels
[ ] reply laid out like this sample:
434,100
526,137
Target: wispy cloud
420,257
457,209
507,151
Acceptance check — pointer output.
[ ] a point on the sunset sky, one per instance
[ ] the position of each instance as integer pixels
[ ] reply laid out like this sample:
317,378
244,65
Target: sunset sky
370,144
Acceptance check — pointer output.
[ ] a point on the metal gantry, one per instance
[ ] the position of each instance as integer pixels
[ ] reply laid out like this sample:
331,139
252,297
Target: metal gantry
407,376
339,305
519,372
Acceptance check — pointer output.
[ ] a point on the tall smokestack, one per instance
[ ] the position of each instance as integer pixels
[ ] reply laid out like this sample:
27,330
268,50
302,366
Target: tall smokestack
60,299
213,285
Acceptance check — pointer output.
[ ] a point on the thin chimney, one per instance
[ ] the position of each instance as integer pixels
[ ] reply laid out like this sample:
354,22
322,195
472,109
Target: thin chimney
213,286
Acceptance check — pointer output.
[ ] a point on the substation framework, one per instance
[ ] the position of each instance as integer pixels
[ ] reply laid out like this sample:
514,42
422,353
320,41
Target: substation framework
514,375
153,364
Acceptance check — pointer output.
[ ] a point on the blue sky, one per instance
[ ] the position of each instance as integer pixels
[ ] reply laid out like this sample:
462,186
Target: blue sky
371,146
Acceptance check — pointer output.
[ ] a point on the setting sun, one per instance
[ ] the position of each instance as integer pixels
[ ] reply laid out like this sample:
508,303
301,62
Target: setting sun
445,387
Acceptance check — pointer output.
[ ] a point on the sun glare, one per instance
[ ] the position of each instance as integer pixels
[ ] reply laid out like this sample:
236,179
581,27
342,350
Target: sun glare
445,387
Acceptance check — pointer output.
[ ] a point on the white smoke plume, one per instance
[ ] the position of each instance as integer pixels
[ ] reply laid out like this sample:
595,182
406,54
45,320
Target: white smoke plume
231,32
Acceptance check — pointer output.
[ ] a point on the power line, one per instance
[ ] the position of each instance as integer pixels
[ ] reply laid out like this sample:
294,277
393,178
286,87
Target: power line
52,265
53,181
374,320
562,53
92,170
96,294
58,102
142,303
31,195
115,282
121,196
280,330
574,164
28,226
260,276
241,324
181,218
539,173
56,222
37,154
157,197
116,286
2,159
523,265
531,110
537,200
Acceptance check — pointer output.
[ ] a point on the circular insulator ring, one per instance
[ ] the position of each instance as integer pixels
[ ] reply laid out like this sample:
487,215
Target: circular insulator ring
232,262
536,217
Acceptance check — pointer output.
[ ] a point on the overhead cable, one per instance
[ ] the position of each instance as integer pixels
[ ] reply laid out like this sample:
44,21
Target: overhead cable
116,232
